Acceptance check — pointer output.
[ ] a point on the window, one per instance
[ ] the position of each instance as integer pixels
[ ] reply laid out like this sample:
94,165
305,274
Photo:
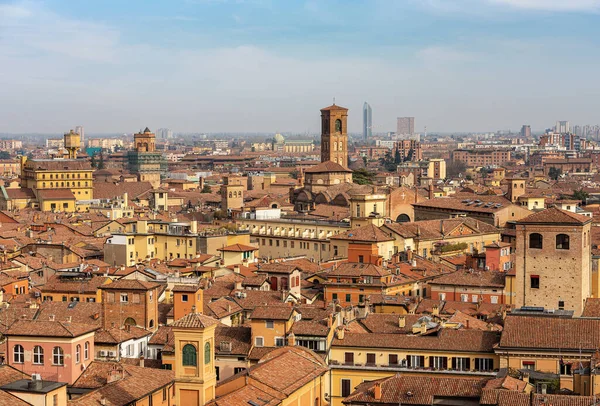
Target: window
464,297
335,251
475,298
58,356
484,364
259,341
442,296
334,296
38,355
536,240
371,358
348,297
562,242
184,298
565,369
189,355
279,342
346,387
86,350
415,361
349,358
438,362
361,259
18,354
561,305
461,363
54,400
78,354
535,281
151,323
207,357
529,365
494,299
237,370
269,324
124,298
393,359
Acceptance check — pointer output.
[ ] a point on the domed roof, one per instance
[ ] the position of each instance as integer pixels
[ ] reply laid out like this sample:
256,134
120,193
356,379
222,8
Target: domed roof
278,138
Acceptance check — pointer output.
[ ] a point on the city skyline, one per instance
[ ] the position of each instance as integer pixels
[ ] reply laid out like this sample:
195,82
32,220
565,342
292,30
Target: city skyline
269,64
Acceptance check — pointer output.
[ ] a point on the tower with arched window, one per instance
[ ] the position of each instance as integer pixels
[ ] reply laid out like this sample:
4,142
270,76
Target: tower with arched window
195,372
232,193
334,135
553,260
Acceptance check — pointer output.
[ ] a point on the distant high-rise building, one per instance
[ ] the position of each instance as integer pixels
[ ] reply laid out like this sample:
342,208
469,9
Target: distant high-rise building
367,121
562,127
406,126
79,130
164,133
526,131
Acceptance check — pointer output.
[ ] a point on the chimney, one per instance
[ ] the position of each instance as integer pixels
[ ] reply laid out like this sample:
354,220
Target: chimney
51,317
442,227
467,324
435,310
113,375
377,391
409,255
238,285
236,268
69,318
35,383
339,333
330,320
142,361
430,192
423,327
291,340
402,321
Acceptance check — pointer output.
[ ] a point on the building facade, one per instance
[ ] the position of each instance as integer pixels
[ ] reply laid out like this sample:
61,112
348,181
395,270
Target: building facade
334,135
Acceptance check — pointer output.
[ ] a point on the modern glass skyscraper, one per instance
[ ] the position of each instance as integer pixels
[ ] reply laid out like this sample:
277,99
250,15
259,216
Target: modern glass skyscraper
367,121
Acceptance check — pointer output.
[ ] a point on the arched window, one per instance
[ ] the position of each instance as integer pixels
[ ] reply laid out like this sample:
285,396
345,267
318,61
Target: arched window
58,356
18,354
207,357
562,242
78,354
338,125
151,323
129,322
230,194
536,240
38,355
189,355
341,145
86,350
335,145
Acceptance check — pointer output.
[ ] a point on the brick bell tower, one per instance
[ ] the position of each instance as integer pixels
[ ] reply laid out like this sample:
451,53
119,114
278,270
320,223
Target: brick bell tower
334,135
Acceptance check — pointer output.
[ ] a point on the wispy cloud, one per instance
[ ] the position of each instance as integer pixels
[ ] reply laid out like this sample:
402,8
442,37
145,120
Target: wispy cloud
551,5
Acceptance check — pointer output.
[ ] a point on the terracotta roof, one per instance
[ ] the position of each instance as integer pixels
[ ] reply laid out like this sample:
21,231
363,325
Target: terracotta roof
316,328
278,267
7,399
161,336
334,107
233,340
443,228
67,285
49,329
592,307
238,248
222,307
119,335
281,312
492,279
327,167
555,215
446,340
194,320
59,164
186,288
551,333
494,204
389,323
417,390
355,269
63,194
79,312
9,374
368,233
135,384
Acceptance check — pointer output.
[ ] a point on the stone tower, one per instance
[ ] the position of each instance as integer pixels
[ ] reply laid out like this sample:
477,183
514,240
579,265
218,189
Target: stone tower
232,193
553,260
334,135
516,189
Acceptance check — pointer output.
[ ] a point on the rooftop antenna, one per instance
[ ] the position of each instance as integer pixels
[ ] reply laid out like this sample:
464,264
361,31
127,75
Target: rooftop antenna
334,100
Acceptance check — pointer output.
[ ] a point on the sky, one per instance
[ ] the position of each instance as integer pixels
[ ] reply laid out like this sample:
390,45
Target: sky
271,65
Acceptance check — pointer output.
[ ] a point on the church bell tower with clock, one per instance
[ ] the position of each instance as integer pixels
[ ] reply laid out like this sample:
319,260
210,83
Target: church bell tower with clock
334,135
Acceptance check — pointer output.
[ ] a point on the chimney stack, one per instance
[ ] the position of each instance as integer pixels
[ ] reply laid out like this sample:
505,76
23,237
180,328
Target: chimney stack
339,333
377,391
402,321
430,192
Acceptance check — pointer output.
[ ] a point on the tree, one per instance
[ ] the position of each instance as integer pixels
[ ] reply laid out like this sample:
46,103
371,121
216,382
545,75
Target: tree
94,163
453,169
397,157
101,162
580,195
362,177
364,158
206,189
554,173
409,156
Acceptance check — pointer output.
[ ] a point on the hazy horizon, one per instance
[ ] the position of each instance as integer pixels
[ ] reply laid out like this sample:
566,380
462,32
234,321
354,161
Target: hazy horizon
248,66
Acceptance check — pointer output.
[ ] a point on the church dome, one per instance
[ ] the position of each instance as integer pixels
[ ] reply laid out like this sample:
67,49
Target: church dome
278,138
